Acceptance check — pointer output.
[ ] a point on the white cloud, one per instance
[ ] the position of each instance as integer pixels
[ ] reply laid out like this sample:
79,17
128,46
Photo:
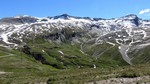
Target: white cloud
144,11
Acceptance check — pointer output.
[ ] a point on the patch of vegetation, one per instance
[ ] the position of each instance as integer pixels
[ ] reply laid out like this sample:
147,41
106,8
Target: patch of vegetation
44,61
106,54
24,68
112,58
140,55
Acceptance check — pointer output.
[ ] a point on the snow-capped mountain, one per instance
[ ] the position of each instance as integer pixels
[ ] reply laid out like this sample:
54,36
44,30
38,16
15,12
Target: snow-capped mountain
129,32
14,29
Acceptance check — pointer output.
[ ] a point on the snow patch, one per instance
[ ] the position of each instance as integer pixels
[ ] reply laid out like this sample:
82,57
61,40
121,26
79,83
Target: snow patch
113,44
43,50
60,52
94,66
119,47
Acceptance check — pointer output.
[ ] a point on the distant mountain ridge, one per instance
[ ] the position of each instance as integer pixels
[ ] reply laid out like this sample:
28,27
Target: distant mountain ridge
66,17
100,26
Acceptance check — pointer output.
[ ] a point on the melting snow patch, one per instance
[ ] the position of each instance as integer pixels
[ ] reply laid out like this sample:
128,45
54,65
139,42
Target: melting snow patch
111,43
82,52
124,36
109,37
5,38
119,47
94,66
61,52
43,51
119,35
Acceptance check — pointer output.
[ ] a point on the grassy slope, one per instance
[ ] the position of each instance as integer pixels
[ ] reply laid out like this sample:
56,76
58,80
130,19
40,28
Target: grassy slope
22,68
26,69
106,54
88,75
141,55
57,67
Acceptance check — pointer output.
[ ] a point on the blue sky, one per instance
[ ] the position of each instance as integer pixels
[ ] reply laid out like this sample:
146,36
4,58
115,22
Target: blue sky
91,8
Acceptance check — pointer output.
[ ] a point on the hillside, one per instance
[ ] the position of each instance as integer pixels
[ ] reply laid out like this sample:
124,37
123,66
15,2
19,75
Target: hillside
41,48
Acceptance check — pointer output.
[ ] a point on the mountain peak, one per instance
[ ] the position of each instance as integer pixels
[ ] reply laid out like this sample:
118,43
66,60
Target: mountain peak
63,16
19,19
130,16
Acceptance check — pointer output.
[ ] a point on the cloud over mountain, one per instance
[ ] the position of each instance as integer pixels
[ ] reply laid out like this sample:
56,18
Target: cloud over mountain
144,11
